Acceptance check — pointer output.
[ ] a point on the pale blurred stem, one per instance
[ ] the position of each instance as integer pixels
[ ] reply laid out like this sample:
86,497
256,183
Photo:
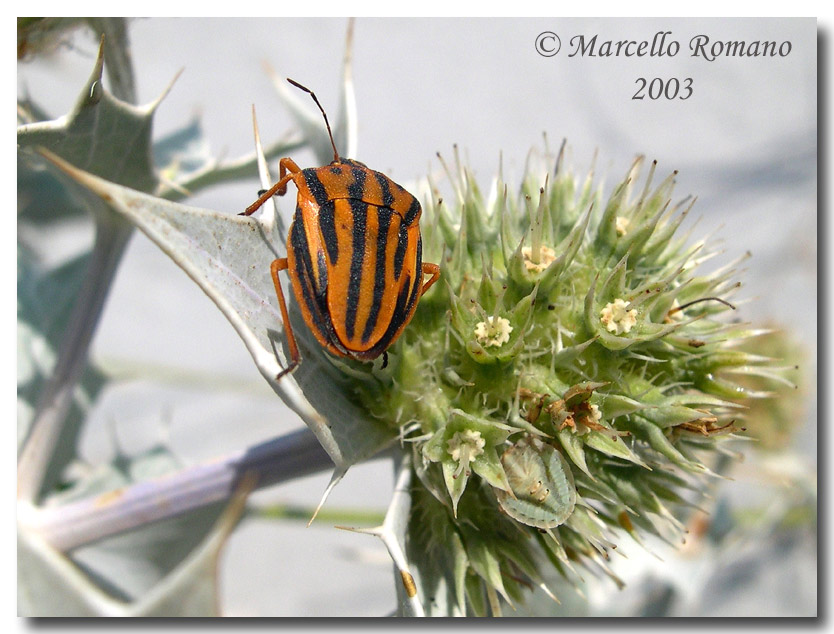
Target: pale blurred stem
395,529
77,523
244,167
111,236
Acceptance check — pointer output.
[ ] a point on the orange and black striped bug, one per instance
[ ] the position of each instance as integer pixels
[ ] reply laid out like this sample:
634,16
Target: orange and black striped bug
354,255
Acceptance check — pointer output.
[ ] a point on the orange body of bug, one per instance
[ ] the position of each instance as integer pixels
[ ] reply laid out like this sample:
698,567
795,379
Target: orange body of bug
354,255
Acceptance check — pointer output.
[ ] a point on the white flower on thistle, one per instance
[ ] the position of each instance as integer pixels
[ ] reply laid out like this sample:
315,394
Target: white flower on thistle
493,332
616,318
546,257
464,447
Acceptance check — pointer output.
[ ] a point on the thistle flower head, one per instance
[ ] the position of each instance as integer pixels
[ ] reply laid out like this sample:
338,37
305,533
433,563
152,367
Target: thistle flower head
565,382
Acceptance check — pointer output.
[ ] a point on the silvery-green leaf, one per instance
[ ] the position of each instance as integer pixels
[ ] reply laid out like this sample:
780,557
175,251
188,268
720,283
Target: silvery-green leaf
486,564
229,257
475,595
42,198
657,440
191,588
665,416
575,448
49,584
183,151
455,480
114,36
102,135
613,405
129,565
612,446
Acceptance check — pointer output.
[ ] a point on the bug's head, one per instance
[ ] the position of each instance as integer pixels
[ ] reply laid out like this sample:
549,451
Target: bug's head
336,158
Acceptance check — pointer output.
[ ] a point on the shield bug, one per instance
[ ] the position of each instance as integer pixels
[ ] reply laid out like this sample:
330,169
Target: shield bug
354,255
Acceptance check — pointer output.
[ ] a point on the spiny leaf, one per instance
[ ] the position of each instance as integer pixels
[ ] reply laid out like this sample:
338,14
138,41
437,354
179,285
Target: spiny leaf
229,257
49,584
102,135
129,565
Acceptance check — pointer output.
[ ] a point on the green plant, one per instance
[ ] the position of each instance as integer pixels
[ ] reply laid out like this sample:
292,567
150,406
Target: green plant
568,380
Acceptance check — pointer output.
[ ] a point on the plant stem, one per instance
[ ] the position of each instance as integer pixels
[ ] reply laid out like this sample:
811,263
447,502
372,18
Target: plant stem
112,234
215,174
71,525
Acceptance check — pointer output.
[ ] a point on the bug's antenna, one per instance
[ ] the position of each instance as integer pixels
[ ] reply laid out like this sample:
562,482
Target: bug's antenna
326,122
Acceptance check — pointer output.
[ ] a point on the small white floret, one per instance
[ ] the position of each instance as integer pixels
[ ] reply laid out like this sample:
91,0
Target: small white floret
545,259
493,332
616,318
465,446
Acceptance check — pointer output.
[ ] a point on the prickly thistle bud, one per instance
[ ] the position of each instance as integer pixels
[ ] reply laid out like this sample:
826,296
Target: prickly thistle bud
570,355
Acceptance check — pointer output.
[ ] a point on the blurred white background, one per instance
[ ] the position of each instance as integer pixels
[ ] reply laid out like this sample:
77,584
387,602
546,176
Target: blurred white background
745,143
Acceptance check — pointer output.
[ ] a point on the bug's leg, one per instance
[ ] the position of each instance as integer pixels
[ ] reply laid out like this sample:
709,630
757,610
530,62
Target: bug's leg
287,169
266,195
285,166
434,271
281,264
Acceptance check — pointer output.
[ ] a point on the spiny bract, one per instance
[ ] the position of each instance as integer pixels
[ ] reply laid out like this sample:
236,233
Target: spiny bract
563,380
